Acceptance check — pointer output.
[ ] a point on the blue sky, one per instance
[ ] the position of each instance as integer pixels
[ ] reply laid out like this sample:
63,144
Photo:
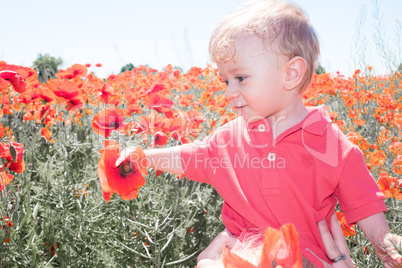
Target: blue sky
160,32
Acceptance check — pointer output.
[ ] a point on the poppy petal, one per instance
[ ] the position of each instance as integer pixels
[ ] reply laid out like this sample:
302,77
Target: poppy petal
231,260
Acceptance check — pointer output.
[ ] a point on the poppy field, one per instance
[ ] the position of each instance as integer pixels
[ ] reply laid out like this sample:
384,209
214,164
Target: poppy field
63,203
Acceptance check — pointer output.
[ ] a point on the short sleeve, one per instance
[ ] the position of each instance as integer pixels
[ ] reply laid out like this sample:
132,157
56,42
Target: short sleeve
358,193
194,159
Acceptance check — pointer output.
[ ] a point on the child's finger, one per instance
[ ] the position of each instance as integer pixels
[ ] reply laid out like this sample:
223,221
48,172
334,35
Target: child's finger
393,258
120,160
230,238
221,241
329,243
123,155
392,263
340,240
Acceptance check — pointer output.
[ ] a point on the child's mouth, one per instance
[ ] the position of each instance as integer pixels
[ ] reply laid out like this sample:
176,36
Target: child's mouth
239,108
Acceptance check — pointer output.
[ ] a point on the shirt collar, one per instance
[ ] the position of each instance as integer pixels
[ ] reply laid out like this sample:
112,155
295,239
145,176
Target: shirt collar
316,122
257,124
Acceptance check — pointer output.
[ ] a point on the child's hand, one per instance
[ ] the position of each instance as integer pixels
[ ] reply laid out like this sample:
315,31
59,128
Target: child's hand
334,243
390,250
163,159
124,154
212,253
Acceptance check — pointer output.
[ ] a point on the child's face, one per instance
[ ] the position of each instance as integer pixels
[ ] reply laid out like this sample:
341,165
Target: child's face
255,80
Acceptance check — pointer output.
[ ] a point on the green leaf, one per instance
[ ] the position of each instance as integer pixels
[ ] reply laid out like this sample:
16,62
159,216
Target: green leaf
13,152
15,217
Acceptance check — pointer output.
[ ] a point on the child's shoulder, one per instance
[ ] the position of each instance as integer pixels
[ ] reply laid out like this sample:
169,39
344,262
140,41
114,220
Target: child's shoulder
319,123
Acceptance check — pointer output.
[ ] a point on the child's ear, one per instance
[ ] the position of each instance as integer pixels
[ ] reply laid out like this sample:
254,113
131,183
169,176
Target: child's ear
295,69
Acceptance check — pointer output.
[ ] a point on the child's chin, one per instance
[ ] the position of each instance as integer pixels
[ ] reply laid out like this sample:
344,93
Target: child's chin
251,119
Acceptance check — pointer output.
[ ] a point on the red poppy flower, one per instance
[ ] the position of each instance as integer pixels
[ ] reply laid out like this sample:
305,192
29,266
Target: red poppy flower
65,74
75,103
3,84
395,147
8,221
106,93
151,123
390,186
79,70
159,103
161,138
98,65
281,246
175,135
176,123
5,180
11,67
22,72
15,79
156,88
46,133
291,246
125,179
76,70
45,94
130,128
231,260
348,230
65,89
385,185
144,122
18,166
133,108
87,65
107,121
398,164
2,132
27,96
196,117
6,153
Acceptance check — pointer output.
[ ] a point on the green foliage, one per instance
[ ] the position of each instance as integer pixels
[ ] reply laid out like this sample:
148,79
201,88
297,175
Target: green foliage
399,70
320,69
127,67
60,218
362,251
47,66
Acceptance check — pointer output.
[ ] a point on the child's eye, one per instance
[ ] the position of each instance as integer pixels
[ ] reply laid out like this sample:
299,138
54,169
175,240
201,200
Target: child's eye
241,78
226,82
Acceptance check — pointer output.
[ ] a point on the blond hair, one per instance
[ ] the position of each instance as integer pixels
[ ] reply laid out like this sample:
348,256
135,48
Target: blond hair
281,25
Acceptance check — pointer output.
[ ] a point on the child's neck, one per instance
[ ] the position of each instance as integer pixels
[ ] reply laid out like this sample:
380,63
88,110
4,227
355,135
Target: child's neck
288,118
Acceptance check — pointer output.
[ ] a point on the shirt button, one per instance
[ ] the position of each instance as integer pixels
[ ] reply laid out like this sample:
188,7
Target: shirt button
261,128
271,156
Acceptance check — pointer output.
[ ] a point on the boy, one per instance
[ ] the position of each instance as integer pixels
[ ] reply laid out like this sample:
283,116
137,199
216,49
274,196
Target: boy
279,161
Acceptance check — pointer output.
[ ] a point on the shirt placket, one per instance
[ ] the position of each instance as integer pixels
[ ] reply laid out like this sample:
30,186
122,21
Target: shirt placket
268,156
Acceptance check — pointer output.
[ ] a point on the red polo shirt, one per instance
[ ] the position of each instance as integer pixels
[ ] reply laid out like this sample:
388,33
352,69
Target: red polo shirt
296,178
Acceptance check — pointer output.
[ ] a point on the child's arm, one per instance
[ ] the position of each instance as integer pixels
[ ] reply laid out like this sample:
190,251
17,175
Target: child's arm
376,229
164,159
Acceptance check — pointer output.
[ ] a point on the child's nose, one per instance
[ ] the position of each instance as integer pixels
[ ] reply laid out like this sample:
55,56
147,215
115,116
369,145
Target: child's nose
231,92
